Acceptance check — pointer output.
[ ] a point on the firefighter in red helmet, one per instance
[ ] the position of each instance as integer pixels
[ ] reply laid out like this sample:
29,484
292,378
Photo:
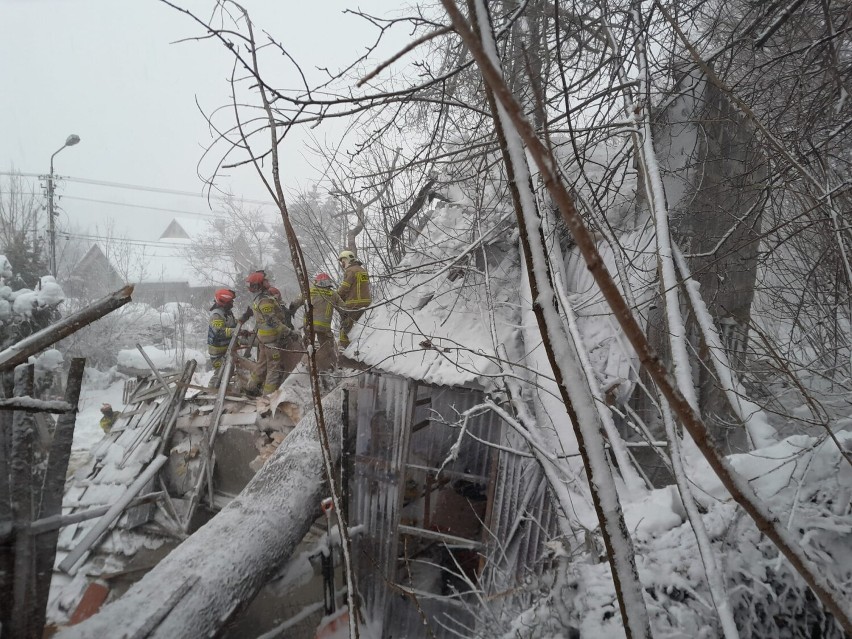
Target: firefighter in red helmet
274,336
220,329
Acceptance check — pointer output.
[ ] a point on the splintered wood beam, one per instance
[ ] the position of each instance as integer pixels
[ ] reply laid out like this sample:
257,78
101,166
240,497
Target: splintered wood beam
59,521
155,371
22,350
29,404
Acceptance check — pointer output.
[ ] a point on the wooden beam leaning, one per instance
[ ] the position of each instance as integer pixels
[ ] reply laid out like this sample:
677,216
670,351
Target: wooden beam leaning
56,522
21,467
53,488
21,351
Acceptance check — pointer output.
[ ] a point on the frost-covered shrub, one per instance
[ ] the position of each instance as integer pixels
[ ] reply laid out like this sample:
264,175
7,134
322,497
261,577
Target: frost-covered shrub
24,311
170,328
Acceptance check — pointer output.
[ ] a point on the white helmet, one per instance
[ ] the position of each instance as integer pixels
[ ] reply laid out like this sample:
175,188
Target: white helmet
346,257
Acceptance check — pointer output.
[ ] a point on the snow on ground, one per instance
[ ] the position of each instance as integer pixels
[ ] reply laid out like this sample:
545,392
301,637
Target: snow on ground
98,388
802,479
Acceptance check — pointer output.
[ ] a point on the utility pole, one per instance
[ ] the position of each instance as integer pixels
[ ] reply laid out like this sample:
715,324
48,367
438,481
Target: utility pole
51,214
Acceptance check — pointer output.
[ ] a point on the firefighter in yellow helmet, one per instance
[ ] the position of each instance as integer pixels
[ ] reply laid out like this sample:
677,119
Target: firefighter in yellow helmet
324,300
273,335
354,291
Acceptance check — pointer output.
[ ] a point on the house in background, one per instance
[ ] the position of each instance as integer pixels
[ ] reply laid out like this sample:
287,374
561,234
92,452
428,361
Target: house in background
93,276
161,270
164,271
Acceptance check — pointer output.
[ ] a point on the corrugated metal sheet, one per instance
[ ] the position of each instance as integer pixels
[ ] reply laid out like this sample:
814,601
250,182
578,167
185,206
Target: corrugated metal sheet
433,503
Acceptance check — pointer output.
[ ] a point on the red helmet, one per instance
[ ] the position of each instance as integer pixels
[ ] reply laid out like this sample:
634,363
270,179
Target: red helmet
224,296
255,280
323,280
274,292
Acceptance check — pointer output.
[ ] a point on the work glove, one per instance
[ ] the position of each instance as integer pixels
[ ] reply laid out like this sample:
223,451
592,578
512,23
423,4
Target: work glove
244,334
293,307
246,316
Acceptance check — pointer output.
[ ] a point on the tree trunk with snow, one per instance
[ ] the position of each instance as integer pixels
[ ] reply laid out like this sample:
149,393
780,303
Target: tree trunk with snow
712,175
212,575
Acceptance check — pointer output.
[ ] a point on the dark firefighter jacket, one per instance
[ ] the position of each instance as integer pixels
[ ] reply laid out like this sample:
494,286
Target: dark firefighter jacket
220,328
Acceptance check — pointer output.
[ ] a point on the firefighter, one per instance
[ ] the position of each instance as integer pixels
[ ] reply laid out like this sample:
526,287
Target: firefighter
354,291
220,329
109,417
273,335
288,314
324,299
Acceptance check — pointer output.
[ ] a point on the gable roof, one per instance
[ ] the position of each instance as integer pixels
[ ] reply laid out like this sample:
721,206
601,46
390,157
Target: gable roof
184,228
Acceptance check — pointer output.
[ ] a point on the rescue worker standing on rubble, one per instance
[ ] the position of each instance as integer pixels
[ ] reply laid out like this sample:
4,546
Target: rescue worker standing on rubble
324,299
220,329
109,417
354,291
273,336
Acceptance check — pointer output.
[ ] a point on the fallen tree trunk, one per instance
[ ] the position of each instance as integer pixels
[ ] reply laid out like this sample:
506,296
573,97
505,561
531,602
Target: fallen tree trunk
21,350
212,575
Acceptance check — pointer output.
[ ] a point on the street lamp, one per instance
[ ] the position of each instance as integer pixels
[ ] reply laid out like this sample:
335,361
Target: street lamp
71,140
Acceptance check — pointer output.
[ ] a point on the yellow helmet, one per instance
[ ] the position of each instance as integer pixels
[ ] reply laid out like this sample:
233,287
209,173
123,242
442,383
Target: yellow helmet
346,257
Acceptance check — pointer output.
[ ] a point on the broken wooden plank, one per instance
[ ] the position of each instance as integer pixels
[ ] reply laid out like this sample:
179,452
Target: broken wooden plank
235,552
22,350
92,600
55,522
32,405
229,419
154,370
69,562
176,404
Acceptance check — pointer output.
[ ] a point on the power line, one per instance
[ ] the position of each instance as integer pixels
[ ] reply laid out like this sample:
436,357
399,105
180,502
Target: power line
142,206
104,238
139,187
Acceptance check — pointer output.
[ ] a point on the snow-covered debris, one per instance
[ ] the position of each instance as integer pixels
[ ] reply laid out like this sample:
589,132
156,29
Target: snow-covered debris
612,357
433,323
162,360
804,477
25,301
50,292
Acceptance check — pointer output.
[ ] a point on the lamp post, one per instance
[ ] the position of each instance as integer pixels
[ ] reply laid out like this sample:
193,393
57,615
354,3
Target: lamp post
70,141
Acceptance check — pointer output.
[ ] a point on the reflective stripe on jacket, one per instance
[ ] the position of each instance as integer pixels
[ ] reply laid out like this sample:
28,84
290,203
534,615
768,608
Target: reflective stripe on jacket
268,318
355,289
220,328
324,301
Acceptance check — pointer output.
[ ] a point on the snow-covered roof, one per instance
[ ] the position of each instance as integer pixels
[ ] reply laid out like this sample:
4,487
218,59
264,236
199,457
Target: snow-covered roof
431,320
185,228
